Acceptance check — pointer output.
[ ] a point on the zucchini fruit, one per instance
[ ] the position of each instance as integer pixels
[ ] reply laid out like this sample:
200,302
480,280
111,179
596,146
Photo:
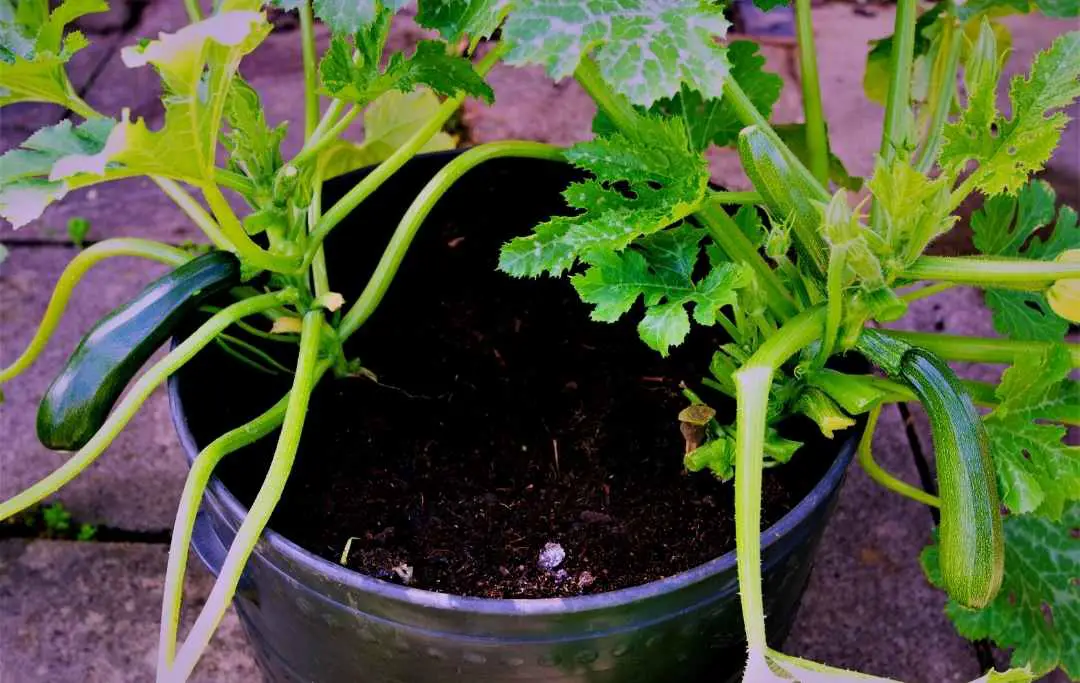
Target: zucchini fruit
970,538
787,194
78,401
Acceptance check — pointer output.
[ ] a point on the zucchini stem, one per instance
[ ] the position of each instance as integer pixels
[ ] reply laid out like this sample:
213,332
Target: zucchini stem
1013,273
339,211
265,501
880,475
421,206
753,383
198,215
816,138
137,395
980,349
69,279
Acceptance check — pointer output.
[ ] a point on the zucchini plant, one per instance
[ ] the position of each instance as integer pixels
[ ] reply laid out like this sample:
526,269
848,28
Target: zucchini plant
800,273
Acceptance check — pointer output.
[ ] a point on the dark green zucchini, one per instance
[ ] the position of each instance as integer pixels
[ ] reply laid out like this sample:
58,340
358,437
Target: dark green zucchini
970,539
80,398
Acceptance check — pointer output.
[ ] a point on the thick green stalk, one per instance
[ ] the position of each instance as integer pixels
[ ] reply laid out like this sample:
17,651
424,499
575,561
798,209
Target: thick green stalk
339,211
73,273
201,470
898,99
315,145
925,292
980,349
988,272
234,181
724,197
183,199
753,383
946,67
617,107
880,475
311,77
265,501
135,397
419,210
816,136
739,248
834,290
238,239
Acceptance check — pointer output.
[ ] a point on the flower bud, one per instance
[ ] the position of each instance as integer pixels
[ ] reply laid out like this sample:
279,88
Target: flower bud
1064,295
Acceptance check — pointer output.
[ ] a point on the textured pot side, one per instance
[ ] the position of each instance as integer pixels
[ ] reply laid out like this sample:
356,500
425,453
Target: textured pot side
310,619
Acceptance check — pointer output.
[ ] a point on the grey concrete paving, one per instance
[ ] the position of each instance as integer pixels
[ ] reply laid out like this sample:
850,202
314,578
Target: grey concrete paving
89,612
868,606
136,483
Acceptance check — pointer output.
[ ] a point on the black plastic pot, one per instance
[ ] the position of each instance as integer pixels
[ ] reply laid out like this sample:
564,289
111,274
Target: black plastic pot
310,619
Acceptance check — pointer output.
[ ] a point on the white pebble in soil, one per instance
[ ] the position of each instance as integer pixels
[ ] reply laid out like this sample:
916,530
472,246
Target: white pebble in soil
551,557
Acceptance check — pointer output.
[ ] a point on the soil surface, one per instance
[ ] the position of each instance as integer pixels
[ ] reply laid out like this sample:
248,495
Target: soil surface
503,420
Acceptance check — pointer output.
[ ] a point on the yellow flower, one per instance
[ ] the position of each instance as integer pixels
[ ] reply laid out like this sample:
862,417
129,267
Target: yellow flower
1064,295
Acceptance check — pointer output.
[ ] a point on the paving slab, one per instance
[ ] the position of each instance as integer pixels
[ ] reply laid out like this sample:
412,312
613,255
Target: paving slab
75,612
868,606
135,484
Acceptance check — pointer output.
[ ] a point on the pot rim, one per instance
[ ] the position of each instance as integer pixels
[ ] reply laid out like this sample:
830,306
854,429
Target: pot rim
418,597
506,606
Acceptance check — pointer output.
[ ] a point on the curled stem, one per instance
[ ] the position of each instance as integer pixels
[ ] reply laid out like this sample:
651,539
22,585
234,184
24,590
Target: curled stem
73,273
880,475
425,201
136,396
391,164
238,240
265,501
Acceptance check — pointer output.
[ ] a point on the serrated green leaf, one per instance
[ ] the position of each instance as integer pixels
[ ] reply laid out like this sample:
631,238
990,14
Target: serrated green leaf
389,122
363,79
1006,226
352,16
34,50
1037,612
1008,150
645,49
643,181
714,121
1059,9
455,19
25,188
659,269
1036,471
766,5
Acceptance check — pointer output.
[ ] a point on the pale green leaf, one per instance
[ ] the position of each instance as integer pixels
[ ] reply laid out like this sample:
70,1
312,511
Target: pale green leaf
1036,470
643,181
34,50
389,122
1009,225
25,187
645,49
1037,612
1008,150
664,326
196,65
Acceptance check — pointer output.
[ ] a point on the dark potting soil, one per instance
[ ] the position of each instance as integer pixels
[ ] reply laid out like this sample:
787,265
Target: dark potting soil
503,419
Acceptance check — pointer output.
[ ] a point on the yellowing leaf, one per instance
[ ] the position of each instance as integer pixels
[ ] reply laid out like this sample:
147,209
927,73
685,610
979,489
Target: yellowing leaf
286,325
